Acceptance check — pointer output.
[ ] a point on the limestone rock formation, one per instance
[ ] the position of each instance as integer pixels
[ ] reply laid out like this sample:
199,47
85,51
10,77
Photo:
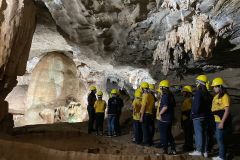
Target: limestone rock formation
72,113
53,81
128,32
196,37
17,28
16,99
17,25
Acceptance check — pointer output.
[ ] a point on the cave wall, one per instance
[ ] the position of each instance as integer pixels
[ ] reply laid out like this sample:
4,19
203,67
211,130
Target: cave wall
148,33
17,25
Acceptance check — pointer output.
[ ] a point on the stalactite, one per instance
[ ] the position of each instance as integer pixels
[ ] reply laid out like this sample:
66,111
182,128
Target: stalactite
196,37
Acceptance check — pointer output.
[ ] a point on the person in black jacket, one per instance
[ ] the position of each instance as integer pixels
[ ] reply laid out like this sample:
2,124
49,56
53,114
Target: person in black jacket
119,112
166,117
201,113
113,111
90,108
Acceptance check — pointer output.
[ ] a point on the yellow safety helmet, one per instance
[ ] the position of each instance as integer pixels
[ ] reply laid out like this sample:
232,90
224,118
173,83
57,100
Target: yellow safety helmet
93,88
217,82
144,85
152,86
114,91
187,89
138,94
164,83
202,78
99,93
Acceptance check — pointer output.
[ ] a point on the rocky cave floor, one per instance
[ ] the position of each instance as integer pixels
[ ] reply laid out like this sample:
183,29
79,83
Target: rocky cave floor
71,141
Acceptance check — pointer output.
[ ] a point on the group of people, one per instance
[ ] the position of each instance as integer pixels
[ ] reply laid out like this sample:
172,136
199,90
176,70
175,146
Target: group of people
145,113
96,111
202,115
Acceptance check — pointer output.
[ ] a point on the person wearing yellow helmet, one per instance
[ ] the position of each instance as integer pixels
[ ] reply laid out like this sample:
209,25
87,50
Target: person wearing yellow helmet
146,114
186,121
99,106
165,115
137,127
221,112
201,115
112,111
90,108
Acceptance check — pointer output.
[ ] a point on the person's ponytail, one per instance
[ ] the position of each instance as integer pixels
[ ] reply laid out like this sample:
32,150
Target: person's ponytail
222,91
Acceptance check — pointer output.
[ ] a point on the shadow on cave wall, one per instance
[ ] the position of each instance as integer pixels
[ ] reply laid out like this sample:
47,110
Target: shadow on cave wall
225,55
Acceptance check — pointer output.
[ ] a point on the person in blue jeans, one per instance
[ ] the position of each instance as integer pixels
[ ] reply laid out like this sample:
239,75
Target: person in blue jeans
165,114
113,105
222,117
111,125
201,113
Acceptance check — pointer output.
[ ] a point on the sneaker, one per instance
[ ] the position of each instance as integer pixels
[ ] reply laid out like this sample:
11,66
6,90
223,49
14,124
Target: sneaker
109,136
172,152
217,158
195,153
133,140
205,154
